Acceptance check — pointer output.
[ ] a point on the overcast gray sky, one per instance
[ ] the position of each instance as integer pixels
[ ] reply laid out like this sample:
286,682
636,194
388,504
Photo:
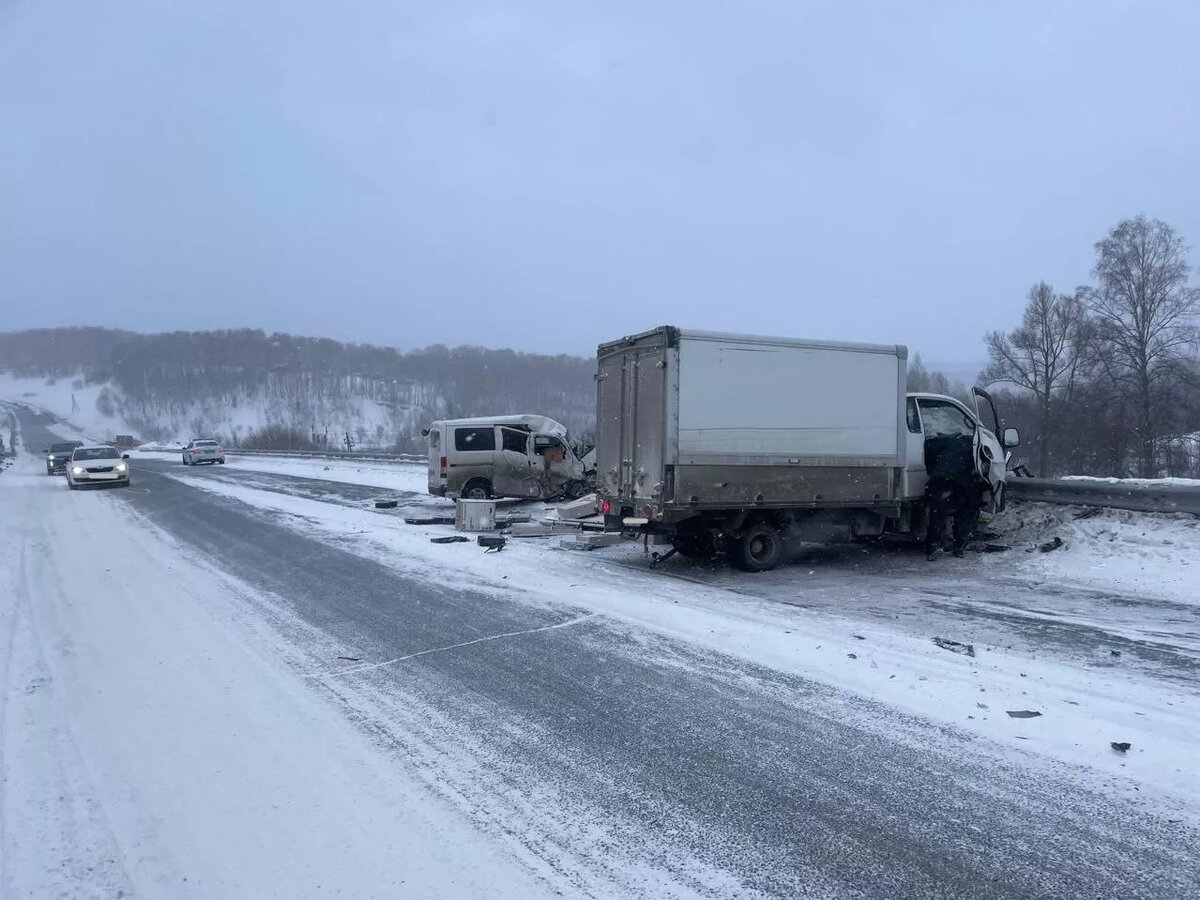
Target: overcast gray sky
548,175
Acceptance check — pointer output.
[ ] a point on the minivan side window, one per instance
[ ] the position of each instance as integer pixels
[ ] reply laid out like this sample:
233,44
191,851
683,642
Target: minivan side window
475,438
514,440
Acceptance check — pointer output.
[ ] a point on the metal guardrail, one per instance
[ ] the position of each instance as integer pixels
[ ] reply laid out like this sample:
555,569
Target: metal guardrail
1139,497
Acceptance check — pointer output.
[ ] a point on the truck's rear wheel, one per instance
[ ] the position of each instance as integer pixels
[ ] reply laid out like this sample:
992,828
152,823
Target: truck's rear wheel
759,548
477,489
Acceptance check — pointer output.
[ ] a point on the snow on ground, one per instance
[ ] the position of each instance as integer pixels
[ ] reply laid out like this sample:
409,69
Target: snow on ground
397,476
1146,482
1144,555
1085,708
393,476
184,692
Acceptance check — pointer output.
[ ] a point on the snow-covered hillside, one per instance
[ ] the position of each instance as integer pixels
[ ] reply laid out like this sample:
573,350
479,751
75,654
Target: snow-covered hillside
101,410
230,384
68,399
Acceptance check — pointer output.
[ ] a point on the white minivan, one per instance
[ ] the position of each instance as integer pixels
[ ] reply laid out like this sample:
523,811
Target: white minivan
526,456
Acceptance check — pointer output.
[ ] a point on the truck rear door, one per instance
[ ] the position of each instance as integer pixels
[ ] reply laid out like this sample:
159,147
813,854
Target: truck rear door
631,434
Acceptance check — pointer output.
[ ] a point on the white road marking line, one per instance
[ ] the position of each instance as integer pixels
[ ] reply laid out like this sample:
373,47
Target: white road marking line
491,637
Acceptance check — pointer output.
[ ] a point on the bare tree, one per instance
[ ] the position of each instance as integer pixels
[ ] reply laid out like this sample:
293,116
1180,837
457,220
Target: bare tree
1144,311
1045,356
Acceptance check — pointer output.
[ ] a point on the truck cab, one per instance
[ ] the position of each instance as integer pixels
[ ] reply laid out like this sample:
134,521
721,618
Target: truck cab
933,415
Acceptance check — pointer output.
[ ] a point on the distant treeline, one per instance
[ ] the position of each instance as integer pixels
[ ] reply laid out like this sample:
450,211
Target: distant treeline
299,381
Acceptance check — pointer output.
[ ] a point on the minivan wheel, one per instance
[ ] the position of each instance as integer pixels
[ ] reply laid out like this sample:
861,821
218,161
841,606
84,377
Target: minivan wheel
760,548
477,489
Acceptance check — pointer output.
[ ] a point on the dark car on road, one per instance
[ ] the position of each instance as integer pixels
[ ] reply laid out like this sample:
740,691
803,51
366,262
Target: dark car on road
57,456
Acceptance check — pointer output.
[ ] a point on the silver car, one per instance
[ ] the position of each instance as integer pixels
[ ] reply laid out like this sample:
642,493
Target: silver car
97,465
203,451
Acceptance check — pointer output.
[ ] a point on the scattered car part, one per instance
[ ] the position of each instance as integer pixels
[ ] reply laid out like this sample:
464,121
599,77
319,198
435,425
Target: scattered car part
955,646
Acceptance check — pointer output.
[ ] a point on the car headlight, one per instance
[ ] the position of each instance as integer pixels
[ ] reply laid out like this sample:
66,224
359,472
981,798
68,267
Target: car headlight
121,467
78,470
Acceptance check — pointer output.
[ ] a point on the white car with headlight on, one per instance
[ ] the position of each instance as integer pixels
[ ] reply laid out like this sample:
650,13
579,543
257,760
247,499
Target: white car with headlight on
97,465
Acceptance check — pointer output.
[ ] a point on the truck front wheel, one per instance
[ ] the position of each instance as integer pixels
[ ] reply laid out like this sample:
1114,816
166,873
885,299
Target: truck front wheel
759,548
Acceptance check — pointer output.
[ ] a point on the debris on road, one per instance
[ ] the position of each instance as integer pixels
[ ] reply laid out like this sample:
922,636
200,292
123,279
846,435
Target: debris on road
491,542
583,508
1088,513
351,658
1051,545
1023,713
386,504
475,515
1120,746
450,539
996,548
429,520
592,541
955,646
536,529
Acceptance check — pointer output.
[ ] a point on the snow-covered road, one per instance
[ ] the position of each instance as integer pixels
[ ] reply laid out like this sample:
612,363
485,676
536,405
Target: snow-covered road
257,692
157,739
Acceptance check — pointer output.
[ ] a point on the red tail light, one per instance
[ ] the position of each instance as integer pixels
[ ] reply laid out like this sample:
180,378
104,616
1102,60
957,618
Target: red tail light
605,507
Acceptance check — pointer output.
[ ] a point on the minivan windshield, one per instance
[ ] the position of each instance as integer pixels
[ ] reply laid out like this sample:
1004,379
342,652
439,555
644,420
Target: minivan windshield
66,447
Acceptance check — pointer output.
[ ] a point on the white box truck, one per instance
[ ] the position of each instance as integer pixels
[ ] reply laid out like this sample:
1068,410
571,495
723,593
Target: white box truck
746,444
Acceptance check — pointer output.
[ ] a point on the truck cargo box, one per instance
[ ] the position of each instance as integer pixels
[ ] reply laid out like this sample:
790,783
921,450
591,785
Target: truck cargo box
690,420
